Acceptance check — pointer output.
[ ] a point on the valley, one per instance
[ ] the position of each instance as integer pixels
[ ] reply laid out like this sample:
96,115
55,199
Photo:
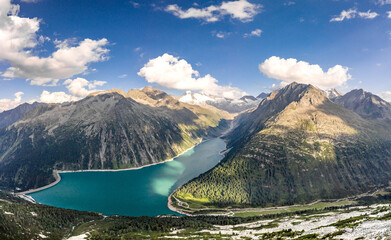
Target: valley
295,148
116,192
296,166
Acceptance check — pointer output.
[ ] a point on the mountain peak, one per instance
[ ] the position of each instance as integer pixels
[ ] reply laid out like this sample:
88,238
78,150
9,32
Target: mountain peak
263,95
296,147
297,92
248,98
333,93
113,90
366,104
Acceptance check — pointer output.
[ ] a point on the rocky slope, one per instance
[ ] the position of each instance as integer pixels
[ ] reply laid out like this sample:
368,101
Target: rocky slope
296,147
366,104
107,130
10,116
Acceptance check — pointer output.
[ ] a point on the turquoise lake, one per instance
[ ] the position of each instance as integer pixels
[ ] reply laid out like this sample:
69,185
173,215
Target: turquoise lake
139,192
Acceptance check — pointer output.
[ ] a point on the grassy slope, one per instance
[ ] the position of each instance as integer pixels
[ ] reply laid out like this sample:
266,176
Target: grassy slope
311,149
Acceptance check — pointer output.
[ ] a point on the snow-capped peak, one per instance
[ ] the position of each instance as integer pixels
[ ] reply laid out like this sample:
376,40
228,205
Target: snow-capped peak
333,93
194,98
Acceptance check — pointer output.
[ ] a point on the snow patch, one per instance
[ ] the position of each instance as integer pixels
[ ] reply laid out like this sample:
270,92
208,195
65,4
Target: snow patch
79,237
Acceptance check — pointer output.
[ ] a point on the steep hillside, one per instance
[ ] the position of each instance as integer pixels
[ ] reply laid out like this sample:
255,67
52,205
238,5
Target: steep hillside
103,131
366,104
297,147
10,116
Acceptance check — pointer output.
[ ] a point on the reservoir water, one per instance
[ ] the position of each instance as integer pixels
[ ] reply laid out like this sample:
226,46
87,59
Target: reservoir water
139,192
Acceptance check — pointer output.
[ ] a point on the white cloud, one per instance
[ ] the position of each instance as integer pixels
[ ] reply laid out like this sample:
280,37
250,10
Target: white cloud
56,97
386,95
18,37
256,32
241,9
290,70
368,14
353,13
389,14
123,76
175,73
78,87
6,104
384,2
221,34
135,4
289,3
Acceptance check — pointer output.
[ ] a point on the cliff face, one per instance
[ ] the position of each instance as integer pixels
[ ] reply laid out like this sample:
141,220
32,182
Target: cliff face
297,147
105,131
10,116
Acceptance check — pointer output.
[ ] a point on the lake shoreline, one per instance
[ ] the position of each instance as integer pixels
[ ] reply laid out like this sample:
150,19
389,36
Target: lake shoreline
57,176
172,207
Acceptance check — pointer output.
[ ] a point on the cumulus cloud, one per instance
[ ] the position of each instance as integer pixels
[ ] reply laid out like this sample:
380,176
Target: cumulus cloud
291,70
78,89
18,37
389,14
175,73
353,13
56,97
256,33
241,10
386,96
6,103
81,87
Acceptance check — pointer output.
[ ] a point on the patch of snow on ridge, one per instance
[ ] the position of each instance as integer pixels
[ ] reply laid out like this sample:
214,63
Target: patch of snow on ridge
79,237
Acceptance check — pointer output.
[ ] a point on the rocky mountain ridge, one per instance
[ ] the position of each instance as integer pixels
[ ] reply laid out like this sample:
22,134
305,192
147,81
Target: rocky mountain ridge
103,131
296,147
10,116
365,104
225,104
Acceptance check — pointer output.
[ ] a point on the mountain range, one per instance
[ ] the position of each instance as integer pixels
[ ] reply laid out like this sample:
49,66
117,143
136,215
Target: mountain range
106,130
294,145
299,146
9,117
225,104
366,104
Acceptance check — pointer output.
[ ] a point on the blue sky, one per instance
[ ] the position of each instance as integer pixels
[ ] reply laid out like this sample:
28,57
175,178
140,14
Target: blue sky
125,35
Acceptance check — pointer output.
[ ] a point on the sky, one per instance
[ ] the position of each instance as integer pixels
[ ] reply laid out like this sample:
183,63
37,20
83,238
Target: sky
59,51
